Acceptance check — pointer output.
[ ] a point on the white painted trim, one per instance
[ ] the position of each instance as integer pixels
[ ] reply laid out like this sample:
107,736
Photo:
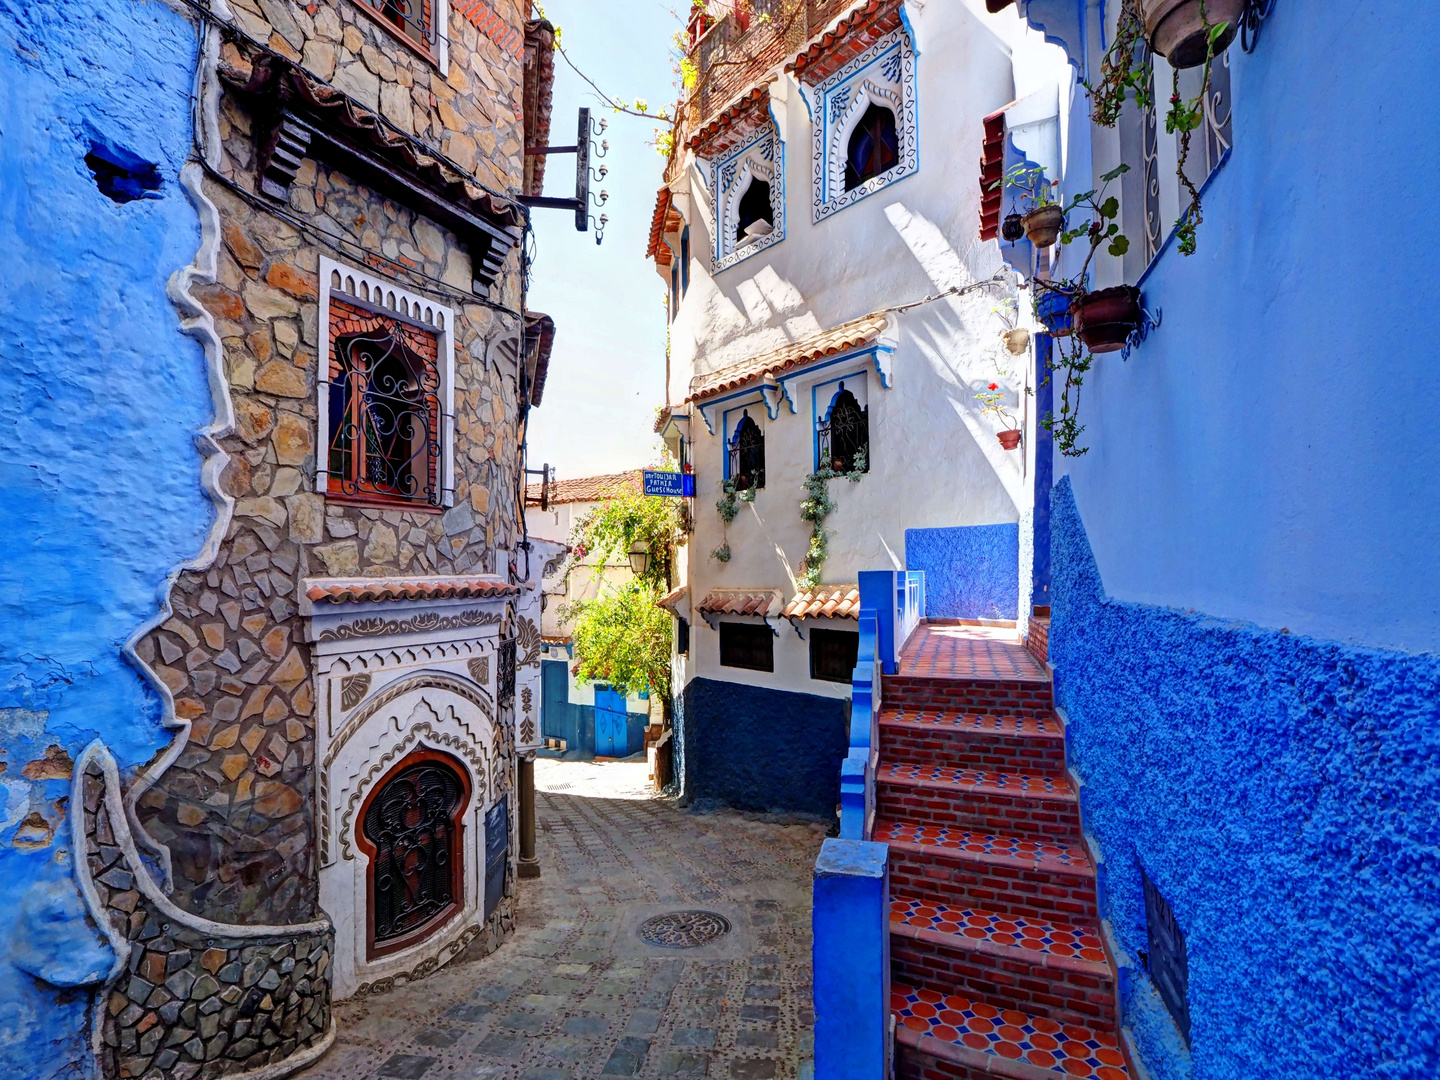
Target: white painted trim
367,285
763,157
441,25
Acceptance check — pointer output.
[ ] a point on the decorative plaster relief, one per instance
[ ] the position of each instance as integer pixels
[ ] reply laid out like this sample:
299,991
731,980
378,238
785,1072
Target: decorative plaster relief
884,74
760,160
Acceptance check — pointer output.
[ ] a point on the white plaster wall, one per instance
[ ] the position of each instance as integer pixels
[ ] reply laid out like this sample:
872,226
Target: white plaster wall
935,461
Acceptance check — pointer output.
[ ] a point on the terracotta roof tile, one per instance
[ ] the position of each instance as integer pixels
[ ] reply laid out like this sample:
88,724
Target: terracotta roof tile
671,600
756,601
556,639
992,170
848,335
752,105
825,602
657,249
849,37
588,488
349,590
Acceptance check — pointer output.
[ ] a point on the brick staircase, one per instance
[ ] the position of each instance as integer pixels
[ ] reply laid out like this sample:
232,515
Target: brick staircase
997,966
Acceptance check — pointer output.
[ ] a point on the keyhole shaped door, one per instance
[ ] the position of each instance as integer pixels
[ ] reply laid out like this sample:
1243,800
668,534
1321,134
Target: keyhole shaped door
609,723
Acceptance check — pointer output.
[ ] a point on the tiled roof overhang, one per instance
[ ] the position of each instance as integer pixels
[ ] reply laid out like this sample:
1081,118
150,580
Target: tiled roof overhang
764,603
589,488
853,34
354,590
539,340
733,123
662,418
825,602
992,172
671,601
846,336
298,116
657,249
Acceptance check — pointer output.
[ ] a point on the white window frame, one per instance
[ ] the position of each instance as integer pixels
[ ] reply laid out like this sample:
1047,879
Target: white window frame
762,158
884,74
362,287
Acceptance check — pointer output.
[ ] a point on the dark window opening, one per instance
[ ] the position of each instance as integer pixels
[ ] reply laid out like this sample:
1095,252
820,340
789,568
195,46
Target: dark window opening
685,260
874,147
384,412
123,177
674,292
409,17
845,435
756,218
412,831
682,637
833,654
747,455
747,645
1168,961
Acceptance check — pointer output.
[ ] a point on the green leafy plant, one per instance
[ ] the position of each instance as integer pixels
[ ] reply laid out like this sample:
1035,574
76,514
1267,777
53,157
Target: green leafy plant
1029,181
728,505
992,400
721,553
814,509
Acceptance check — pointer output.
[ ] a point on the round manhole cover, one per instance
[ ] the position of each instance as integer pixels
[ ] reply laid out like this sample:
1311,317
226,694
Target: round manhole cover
684,929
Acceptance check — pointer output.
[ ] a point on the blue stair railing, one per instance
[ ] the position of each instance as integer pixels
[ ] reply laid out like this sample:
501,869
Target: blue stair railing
851,917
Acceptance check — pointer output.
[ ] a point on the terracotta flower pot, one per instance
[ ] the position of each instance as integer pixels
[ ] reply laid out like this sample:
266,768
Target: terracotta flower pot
1043,224
1017,340
1009,440
1176,28
1105,319
1012,228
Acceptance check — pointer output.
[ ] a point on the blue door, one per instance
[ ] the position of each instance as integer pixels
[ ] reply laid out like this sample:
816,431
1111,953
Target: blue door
556,721
609,722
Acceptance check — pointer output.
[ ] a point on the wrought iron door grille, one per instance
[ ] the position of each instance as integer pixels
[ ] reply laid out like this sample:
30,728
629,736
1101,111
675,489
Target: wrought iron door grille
1168,961
505,673
411,17
411,823
385,415
843,433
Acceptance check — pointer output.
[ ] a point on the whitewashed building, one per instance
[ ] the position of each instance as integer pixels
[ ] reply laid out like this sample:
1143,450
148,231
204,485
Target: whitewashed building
834,306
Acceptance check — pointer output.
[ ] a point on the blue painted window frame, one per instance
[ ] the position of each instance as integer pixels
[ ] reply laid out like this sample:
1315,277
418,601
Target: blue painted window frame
730,422
861,373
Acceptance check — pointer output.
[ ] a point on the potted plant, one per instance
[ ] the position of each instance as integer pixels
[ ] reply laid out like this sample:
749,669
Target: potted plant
1012,228
992,400
1017,341
1042,218
1181,30
1105,319
1052,308
994,7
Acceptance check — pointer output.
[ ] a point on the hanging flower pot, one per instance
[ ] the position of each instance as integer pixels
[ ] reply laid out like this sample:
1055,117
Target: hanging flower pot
994,7
1106,319
1053,310
1017,340
1043,224
1012,228
1176,28
1009,440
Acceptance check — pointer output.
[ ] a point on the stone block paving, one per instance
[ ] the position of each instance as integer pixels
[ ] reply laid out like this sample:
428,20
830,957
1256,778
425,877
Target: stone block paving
576,994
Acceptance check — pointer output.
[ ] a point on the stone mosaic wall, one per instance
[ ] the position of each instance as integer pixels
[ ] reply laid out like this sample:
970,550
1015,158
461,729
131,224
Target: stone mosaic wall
237,806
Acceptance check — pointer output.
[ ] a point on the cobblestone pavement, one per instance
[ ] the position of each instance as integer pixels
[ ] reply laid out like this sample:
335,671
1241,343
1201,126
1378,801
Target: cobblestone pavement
575,993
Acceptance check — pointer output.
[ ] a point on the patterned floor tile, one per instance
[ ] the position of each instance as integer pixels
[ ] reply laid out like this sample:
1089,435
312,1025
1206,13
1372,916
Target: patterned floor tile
1038,852
977,722
977,924
1007,782
968,652
1066,1049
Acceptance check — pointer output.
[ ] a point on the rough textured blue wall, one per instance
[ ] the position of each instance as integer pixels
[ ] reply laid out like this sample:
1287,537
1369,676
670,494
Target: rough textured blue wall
971,571
100,398
1284,794
754,748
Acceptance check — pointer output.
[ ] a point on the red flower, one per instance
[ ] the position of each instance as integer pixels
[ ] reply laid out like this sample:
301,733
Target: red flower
993,386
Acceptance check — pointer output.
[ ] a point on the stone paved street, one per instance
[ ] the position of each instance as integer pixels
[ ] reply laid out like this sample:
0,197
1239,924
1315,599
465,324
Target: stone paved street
575,993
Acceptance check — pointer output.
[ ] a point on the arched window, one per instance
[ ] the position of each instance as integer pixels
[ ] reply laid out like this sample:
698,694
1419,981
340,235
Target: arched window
385,415
874,146
754,207
844,433
412,831
747,455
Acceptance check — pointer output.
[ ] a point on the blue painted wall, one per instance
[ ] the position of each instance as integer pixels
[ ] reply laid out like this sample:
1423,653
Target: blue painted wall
100,497
759,749
1281,791
971,572
1265,455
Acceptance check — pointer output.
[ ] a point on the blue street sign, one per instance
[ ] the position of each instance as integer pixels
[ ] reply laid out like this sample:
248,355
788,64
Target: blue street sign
672,485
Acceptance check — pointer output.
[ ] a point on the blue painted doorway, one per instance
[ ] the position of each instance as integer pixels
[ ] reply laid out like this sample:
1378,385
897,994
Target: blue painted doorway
610,717
556,717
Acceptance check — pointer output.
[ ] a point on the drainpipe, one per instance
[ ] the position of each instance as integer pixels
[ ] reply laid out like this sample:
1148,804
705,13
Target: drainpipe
529,865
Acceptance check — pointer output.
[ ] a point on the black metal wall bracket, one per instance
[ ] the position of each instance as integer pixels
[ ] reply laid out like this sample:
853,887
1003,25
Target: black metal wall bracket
583,151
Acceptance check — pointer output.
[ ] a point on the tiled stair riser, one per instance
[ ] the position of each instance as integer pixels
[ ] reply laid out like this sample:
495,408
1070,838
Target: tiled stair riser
994,812
1021,697
971,749
1009,982
1008,890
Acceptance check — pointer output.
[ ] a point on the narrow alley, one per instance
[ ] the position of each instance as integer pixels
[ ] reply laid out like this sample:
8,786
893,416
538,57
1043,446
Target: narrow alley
576,992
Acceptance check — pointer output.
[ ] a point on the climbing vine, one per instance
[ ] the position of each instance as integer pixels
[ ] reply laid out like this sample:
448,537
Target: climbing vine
728,505
815,508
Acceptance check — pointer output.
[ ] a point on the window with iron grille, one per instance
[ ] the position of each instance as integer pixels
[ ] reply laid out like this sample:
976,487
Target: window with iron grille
505,673
747,645
412,19
843,433
833,654
747,455
385,401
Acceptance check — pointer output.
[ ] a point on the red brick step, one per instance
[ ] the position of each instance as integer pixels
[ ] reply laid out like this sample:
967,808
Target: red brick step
1009,802
972,740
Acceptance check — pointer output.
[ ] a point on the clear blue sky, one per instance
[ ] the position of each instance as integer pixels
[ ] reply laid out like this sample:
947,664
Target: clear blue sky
607,370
